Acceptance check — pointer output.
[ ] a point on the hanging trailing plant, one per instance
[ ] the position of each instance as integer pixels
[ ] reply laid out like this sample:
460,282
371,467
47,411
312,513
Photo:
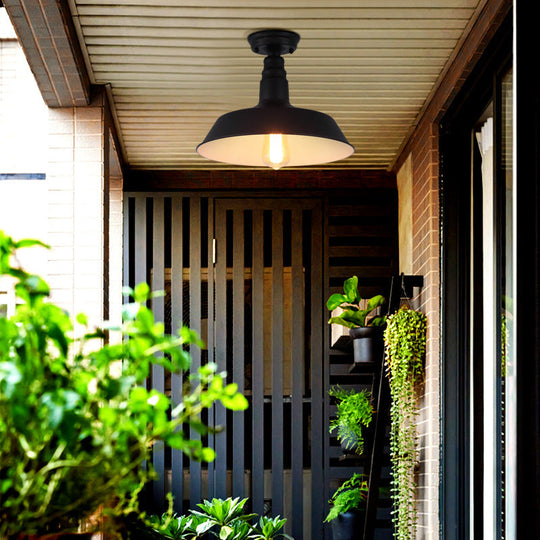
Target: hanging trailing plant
405,346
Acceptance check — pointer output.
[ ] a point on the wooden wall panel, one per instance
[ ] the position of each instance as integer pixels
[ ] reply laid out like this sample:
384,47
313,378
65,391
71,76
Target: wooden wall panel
273,254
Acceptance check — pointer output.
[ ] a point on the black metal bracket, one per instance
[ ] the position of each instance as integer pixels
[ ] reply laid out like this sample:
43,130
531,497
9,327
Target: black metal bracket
401,287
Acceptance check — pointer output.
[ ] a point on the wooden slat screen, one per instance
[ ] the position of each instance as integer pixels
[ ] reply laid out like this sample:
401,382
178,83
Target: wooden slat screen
258,308
362,241
252,276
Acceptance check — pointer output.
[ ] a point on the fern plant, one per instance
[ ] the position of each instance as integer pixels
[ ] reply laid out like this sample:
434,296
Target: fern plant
354,413
405,346
349,496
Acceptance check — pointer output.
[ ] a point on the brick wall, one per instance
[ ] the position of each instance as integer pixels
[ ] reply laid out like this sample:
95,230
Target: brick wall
422,165
425,195
75,209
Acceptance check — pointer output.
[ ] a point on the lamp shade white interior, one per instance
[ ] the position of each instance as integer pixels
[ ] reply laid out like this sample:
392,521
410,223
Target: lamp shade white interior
248,150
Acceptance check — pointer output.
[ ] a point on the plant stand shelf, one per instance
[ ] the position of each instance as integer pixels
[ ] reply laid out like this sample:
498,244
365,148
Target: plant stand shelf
401,286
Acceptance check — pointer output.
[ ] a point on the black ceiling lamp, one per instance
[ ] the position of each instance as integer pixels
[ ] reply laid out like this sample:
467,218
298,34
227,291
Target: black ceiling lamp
274,133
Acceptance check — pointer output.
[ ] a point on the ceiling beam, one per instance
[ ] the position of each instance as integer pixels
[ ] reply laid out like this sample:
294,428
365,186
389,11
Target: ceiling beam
264,179
47,35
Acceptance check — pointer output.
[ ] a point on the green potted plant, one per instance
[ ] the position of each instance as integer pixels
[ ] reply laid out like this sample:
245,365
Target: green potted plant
405,346
76,419
225,519
365,327
354,413
347,512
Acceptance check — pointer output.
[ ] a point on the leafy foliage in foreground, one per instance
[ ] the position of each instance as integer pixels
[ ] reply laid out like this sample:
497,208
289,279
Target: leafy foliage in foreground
76,420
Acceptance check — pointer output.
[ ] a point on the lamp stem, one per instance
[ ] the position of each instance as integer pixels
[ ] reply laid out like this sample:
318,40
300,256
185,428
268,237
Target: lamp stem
274,88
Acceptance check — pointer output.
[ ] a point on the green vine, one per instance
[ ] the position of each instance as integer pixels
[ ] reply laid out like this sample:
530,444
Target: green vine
405,346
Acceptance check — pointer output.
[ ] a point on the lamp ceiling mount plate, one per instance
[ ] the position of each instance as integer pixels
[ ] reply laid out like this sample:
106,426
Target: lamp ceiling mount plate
269,42
274,133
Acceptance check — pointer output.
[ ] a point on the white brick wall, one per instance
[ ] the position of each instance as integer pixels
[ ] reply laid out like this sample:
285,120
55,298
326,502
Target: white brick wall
75,209
65,210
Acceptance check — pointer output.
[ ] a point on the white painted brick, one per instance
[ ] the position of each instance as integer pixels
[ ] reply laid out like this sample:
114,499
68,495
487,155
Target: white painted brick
90,239
84,154
61,282
61,210
61,126
60,169
88,280
89,194
88,253
90,226
61,253
59,197
59,268
60,140
88,171
90,141
60,155
89,301
86,114
89,267
59,225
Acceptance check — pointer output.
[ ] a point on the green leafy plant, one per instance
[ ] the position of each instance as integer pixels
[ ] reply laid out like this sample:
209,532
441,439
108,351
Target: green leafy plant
352,315
270,528
76,419
354,413
222,518
221,514
405,346
348,497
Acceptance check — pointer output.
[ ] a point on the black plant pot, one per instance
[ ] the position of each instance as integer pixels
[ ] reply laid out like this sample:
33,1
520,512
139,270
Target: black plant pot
348,526
367,343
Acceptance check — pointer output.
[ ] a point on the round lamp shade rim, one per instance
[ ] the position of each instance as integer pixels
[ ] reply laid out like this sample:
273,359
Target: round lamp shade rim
246,150
267,119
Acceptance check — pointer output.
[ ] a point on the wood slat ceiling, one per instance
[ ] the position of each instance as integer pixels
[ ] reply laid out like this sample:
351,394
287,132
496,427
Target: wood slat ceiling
174,66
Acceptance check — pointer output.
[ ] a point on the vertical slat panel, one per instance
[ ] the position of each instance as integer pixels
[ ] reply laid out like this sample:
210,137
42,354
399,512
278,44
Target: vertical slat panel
210,332
317,395
177,269
257,408
195,324
238,350
140,239
297,362
158,308
277,362
125,247
221,348
140,251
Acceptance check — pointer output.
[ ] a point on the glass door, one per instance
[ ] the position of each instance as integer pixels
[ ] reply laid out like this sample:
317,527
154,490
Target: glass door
492,361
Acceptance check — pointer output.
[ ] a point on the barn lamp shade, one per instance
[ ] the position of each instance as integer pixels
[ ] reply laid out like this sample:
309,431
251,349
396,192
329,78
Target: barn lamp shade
274,133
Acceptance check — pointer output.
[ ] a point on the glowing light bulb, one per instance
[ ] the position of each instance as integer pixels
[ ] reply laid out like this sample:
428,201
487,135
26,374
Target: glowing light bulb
275,150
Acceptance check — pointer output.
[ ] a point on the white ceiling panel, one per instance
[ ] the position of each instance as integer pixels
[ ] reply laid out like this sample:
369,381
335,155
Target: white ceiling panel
174,66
